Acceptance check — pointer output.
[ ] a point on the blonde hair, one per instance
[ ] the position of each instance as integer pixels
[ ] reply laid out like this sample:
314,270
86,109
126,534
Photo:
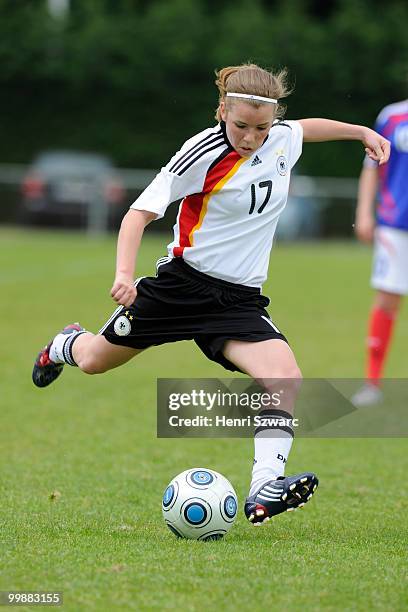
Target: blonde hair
252,79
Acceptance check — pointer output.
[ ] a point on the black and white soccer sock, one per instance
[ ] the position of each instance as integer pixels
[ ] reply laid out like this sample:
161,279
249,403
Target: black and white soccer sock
61,347
273,441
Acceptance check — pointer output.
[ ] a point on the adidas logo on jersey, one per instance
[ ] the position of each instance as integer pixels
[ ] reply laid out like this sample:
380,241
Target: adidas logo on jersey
256,161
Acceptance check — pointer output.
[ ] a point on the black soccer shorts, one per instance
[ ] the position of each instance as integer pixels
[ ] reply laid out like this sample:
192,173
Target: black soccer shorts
181,303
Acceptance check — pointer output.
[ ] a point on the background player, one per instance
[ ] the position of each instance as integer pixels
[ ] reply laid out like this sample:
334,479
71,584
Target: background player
234,181
386,185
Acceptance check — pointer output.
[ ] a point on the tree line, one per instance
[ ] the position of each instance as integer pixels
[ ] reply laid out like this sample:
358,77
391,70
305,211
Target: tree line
134,78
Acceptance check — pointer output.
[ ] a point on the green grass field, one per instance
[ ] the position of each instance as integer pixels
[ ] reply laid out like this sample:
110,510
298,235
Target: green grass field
82,473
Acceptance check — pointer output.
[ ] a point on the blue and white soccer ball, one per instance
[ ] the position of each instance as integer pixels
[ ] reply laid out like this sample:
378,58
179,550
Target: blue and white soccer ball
200,504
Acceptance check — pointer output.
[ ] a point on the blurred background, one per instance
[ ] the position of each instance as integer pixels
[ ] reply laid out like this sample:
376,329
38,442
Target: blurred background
96,95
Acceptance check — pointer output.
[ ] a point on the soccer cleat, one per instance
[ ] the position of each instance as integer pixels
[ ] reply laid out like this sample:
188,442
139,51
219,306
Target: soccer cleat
368,395
281,495
45,370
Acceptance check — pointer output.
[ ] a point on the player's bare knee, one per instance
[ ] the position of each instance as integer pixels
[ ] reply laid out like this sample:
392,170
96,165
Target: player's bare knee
389,302
296,373
91,365
291,372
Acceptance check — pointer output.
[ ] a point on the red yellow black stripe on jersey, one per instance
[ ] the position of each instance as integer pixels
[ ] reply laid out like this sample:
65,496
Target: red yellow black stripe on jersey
194,207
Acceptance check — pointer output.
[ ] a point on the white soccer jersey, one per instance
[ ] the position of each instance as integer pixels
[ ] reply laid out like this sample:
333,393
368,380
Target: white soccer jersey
231,204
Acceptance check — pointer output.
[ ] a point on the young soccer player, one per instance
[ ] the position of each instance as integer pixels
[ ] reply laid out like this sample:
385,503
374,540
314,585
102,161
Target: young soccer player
234,181
390,234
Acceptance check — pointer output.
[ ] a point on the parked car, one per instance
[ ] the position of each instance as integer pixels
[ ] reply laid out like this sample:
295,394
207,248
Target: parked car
72,188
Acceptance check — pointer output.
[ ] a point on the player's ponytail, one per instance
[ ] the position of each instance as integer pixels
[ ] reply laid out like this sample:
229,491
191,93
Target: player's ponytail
251,79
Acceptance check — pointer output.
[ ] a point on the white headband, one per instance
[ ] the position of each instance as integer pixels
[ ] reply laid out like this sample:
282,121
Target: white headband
252,97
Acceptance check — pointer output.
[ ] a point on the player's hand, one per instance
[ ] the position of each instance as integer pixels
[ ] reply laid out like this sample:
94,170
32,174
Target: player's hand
123,290
364,228
376,146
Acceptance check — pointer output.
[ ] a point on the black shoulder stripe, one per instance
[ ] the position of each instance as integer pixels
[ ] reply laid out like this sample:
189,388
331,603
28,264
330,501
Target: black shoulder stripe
203,152
282,123
216,139
200,143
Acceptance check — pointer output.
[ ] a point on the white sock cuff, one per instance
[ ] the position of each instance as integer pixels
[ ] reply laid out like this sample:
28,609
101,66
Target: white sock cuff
60,351
67,347
275,424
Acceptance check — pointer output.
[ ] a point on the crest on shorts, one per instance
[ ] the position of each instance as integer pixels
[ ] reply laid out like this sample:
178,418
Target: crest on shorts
122,326
282,165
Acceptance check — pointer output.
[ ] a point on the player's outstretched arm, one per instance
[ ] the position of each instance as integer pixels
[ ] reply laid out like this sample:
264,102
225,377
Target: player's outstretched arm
320,130
130,235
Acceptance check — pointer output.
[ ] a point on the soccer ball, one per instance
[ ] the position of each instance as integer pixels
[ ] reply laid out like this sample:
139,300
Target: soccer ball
199,504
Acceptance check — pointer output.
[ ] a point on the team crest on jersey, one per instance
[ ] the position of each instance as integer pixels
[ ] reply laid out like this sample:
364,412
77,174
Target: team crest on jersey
282,165
122,326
